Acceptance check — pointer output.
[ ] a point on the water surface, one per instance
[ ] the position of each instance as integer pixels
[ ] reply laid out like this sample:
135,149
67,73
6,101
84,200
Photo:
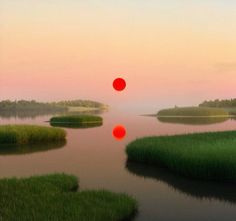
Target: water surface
99,161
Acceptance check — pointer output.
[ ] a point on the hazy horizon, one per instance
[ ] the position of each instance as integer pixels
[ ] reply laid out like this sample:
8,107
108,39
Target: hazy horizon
169,52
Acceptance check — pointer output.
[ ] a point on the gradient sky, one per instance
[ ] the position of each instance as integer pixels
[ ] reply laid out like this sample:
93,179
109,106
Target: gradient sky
170,52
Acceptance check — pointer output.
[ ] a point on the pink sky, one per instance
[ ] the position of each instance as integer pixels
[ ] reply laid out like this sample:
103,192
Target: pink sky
169,53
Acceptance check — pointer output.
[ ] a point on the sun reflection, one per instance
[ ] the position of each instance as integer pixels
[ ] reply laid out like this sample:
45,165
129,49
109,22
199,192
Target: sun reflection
119,132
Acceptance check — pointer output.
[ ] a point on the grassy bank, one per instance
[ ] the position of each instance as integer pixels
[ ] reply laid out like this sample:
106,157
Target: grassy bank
193,120
54,197
77,121
210,156
29,134
193,112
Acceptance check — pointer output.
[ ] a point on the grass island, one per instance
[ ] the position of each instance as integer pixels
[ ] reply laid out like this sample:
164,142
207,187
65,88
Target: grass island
193,120
76,121
30,134
208,156
55,197
193,112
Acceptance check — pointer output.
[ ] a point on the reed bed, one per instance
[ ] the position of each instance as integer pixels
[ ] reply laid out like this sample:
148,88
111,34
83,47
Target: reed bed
54,197
209,156
30,134
193,111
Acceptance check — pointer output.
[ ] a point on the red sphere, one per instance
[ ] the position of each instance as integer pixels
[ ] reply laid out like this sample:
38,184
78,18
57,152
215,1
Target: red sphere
119,84
119,132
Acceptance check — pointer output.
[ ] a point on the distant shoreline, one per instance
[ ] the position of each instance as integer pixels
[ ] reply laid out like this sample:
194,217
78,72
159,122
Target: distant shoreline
213,116
70,105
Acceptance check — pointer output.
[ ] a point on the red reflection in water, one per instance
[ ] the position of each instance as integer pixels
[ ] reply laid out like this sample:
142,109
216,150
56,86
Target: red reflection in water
119,132
119,84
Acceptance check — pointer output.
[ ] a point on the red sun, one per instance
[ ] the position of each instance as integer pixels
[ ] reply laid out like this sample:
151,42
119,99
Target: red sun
119,84
119,132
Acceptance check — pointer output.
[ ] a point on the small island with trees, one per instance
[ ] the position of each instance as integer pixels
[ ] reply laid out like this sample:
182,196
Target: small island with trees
216,108
22,105
24,108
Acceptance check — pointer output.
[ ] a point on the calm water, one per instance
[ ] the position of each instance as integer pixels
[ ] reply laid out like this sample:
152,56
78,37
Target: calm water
99,161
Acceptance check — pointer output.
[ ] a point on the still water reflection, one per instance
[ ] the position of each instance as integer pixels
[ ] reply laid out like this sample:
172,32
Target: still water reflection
14,149
193,188
76,125
100,162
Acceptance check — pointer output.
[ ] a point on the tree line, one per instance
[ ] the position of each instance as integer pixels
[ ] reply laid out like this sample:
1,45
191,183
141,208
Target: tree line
18,105
219,103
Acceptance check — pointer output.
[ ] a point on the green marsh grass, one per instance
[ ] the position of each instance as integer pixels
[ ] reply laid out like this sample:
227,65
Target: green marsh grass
193,111
209,156
54,197
76,121
29,134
